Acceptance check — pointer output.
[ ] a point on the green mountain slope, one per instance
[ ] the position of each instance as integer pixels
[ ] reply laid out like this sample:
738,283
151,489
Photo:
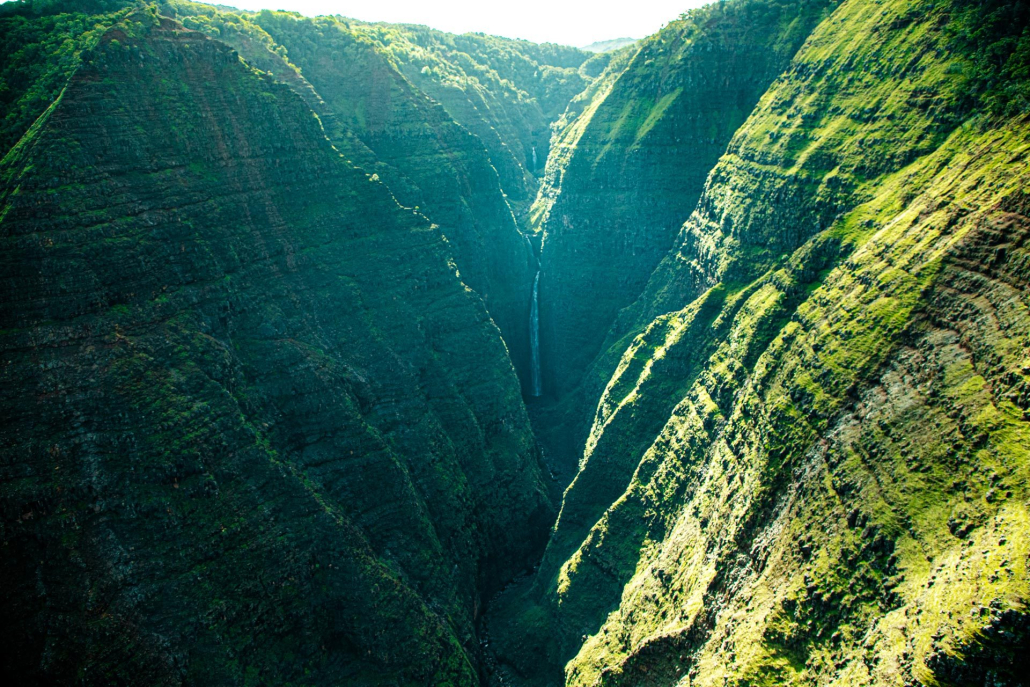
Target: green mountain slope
255,428
371,86
39,53
640,164
426,159
507,92
808,463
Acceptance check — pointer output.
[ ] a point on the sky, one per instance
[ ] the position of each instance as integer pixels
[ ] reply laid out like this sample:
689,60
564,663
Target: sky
570,22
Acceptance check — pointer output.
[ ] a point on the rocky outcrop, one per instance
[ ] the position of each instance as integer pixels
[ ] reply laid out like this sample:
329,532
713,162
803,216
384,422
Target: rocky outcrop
255,427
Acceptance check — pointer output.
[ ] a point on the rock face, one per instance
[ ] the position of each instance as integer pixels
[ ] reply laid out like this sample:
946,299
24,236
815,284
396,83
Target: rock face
465,164
255,428
507,92
808,464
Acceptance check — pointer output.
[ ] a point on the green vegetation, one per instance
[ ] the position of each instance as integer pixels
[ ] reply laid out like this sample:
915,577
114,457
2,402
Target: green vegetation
995,37
40,47
257,431
264,306
798,468
632,165
506,92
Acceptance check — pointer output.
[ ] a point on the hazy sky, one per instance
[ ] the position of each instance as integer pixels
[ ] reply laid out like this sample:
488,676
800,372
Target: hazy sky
572,22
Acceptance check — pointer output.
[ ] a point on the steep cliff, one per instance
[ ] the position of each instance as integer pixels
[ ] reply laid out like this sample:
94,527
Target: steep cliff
428,161
640,163
365,93
255,429
39,53
809,462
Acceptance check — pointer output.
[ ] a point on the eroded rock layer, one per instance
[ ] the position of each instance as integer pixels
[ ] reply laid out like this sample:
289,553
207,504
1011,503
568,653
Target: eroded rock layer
640,163
265,298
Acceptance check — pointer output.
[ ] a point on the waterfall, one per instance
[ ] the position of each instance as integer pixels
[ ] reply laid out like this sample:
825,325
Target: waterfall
534,338
536,381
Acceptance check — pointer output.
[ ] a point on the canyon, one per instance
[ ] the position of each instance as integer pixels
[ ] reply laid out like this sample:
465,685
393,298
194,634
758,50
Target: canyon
336,352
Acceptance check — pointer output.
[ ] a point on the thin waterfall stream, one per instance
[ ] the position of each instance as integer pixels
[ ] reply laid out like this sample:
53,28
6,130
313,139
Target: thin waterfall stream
536,381
534,337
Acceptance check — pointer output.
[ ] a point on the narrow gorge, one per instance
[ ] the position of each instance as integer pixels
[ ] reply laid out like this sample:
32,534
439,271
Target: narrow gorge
349,353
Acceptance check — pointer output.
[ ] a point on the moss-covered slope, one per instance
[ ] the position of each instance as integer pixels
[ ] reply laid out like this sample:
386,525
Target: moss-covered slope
258,423
255,429
809,463
373,87
381,122
40,47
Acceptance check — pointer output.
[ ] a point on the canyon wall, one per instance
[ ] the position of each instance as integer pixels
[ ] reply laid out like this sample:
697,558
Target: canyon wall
266,299
255,427
640,163
809,460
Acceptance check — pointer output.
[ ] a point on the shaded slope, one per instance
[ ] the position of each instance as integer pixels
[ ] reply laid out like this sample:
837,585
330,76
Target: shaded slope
385,124
571,126
507,92
428,161
255,428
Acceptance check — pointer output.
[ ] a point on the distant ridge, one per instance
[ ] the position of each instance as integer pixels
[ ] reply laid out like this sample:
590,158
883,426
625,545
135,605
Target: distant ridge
612,44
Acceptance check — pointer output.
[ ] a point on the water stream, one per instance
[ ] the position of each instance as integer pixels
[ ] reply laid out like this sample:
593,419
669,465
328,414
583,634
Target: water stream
536,381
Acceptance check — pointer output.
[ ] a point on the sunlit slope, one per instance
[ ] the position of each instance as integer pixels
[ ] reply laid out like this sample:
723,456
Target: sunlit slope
835,352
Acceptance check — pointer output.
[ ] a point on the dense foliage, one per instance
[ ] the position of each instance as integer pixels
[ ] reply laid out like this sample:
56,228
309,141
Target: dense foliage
506,92
995,34
807,448
265,299
41,45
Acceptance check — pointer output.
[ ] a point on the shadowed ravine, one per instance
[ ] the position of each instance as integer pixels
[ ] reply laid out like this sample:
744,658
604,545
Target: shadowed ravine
336,353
